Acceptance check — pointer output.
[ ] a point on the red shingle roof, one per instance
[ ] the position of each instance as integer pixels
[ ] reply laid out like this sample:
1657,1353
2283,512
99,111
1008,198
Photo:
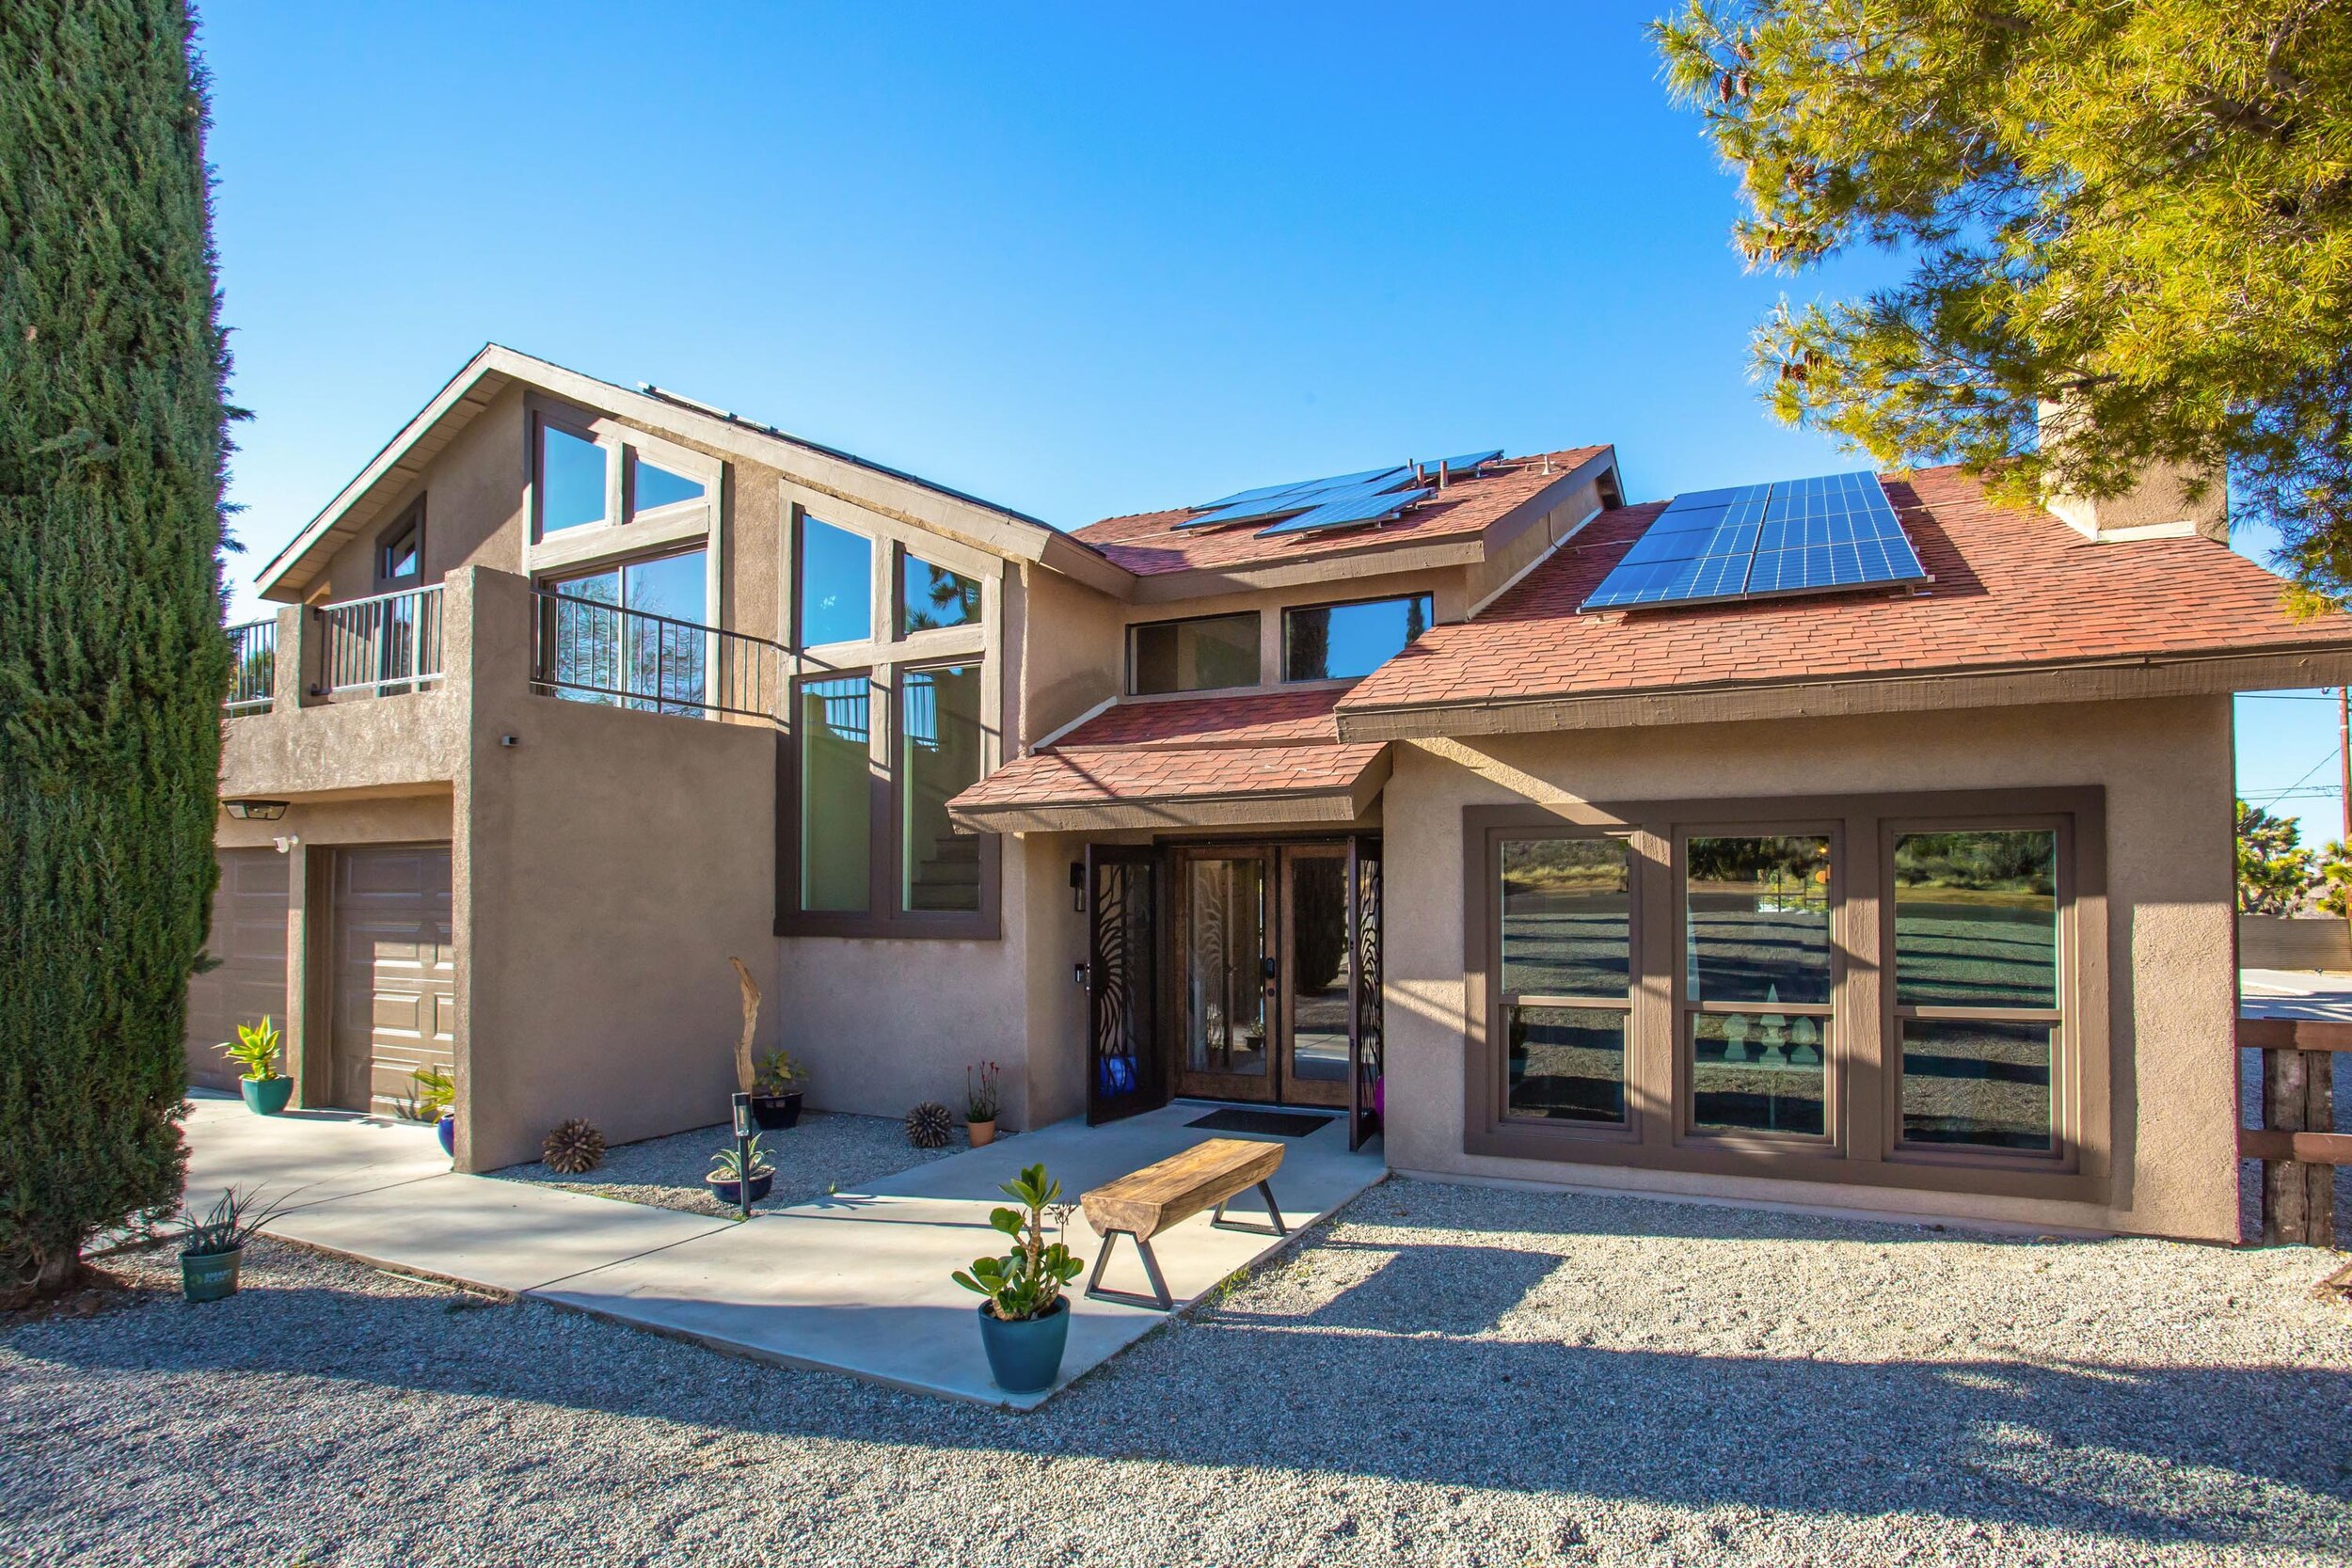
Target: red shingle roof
2012,587
1149,542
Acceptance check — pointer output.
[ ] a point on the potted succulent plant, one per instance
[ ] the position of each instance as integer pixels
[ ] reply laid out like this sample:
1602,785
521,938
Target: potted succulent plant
777,1091
726,1177
255,1048
212,1248
981,1101
1024,1322
435,1101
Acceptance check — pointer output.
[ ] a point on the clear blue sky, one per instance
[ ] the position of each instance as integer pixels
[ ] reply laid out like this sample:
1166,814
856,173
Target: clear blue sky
1077,261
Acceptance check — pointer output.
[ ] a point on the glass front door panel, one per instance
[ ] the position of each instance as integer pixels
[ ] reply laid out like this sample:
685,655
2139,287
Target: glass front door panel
1322,976
1225,948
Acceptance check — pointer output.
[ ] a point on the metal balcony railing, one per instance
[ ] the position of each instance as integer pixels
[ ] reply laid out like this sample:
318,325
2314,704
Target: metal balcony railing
253,665
383,645
592,651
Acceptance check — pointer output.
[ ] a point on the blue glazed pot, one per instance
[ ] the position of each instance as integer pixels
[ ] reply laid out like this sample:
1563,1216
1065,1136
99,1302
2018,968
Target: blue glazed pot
266,1096
1025,1357
209,1276
446,1130
727,1193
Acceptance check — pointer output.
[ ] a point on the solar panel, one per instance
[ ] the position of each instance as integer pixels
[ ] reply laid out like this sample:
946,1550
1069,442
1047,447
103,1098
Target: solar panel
1344,500
1792,536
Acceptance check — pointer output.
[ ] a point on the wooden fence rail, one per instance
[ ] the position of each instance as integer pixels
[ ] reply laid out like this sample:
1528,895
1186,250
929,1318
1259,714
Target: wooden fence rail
2298,1141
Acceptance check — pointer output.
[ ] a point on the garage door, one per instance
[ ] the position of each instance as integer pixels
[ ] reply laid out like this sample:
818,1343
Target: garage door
393,973
249,937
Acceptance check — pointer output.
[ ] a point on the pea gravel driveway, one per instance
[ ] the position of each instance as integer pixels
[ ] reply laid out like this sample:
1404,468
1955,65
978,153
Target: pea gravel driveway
1444,1376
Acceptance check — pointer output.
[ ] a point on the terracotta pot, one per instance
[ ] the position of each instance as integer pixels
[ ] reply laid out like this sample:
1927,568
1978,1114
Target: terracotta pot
983,1132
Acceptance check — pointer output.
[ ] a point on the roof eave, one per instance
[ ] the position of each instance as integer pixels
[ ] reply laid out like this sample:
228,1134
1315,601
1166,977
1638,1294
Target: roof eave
1232,808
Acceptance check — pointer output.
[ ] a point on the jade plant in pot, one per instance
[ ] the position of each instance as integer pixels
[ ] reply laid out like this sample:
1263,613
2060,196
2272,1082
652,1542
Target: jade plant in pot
1024,1322
777,1091
212,1248
727,1174
255,1048
435,1101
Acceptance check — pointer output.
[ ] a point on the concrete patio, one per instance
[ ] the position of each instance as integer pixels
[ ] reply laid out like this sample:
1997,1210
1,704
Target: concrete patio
858,1282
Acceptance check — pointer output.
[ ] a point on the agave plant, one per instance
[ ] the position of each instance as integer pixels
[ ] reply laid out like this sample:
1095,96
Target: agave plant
255,1048
229,1224
1026,1281
728,1164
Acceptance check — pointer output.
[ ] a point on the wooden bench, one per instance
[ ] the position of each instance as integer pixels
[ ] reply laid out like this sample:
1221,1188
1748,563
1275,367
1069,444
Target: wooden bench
1143,1203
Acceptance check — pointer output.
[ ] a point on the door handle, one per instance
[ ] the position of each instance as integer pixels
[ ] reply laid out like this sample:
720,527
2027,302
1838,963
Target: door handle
1270,970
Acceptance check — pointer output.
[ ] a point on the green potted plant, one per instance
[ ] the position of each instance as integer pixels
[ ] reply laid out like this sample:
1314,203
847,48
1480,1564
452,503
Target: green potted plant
213,1247
981,1101
255,1048
435,1101
1024,1322
777,1091
727,1174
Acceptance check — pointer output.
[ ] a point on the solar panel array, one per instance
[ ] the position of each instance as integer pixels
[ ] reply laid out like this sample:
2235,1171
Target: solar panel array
1791,536
1346,500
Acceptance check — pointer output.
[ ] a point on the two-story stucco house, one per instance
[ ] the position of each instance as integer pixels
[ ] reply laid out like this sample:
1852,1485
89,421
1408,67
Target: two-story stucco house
1849,842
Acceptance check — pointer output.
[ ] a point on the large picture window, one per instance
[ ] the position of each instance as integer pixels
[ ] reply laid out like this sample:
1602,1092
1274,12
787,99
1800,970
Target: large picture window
834,720
1976,985
938,758
1205,653
1903,990
1566,923
632,635
1334,641
836,584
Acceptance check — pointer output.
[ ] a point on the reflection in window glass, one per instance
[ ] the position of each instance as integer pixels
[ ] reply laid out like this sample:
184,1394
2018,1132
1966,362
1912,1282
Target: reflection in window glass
1566,905
1567,1064
1225,931
600,654
403,553
1345,641
837,801
1760,1071
571,481
1976,918
1196,655
938,758
1759,913
1977,1082
659,486
837,585
931,598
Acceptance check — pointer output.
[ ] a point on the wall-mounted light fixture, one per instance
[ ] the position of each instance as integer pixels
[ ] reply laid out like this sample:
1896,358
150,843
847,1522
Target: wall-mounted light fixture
1078,886
255,810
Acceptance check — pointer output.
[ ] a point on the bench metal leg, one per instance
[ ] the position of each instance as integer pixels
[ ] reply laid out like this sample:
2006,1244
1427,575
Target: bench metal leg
1273,1211
1159,1297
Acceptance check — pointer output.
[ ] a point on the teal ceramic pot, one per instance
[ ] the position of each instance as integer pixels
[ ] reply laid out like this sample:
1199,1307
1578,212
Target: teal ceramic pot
209,1276
266,1096
1025,1357
446,1130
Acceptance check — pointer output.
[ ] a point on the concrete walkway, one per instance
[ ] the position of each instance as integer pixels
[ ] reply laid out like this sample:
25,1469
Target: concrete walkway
854,1283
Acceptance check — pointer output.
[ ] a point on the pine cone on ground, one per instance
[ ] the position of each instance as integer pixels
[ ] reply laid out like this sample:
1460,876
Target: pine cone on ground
929,1125
573,1148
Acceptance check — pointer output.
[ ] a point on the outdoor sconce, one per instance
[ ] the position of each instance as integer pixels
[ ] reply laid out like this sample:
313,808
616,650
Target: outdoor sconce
255,810
1078,886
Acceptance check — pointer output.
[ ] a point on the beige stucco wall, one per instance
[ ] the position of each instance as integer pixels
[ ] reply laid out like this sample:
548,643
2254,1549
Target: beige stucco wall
607,865
2167,766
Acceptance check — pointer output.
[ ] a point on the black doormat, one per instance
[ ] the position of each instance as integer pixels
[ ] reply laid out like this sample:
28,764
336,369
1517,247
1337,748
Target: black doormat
1282,1124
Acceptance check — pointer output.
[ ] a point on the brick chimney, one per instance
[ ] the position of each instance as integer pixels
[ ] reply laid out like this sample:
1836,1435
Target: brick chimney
2157,507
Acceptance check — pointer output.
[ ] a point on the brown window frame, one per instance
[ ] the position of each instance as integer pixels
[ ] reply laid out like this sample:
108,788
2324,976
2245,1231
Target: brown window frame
412,516
1862,1144
885,914
1256,621
1627,1127
2066,1130
1283,676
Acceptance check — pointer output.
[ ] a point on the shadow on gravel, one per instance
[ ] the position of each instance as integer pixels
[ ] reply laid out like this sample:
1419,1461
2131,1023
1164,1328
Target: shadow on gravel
1344,1389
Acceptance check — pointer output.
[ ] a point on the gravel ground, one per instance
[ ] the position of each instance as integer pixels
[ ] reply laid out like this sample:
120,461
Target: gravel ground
824,1152
1447,1375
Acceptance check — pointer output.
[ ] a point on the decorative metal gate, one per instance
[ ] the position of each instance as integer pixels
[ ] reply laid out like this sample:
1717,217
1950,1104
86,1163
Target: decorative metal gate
1124,1071
1364,1033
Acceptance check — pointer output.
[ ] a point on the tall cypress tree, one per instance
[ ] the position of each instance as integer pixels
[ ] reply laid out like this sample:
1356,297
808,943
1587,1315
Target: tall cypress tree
112,663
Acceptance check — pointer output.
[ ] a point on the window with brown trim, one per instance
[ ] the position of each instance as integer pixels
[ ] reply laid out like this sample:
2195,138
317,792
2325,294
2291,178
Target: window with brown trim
1203,653
1979,1029
1898,990
1567,961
